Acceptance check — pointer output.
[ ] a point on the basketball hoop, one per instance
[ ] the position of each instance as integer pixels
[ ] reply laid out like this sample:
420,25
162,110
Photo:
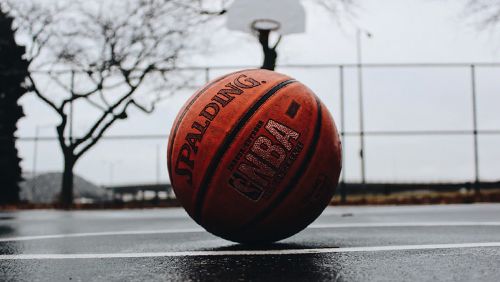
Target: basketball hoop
261,17
281,16
265,25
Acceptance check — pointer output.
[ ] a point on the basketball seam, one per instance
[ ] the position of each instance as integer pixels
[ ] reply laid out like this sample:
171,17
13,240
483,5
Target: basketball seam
207,178
176,126
300,172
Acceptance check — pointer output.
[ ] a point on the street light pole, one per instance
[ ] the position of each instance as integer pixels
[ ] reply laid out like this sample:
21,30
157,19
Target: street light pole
111,168
359,59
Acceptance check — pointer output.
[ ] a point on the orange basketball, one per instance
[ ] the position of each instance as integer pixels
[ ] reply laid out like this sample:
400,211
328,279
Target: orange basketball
254,156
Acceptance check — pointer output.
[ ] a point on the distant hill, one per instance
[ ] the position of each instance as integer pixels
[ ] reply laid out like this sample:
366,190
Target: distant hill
45,188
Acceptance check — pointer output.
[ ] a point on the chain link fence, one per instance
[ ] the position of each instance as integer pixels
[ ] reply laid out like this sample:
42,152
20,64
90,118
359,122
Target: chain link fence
402,125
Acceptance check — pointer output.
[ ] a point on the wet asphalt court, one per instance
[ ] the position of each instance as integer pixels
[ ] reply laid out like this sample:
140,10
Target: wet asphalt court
408,243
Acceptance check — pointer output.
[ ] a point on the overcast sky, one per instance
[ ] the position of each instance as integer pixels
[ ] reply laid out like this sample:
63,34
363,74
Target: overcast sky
396,98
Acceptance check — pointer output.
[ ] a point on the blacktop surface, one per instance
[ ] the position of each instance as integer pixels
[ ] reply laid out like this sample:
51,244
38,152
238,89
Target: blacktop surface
391,243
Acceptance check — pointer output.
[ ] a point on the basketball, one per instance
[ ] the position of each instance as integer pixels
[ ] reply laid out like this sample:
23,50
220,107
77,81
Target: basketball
254,156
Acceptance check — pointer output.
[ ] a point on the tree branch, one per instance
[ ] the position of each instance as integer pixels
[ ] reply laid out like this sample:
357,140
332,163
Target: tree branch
34,89
111,109
115,117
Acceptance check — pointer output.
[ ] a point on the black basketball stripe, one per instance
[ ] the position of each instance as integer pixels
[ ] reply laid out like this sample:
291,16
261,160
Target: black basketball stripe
296,178
181,117
200,197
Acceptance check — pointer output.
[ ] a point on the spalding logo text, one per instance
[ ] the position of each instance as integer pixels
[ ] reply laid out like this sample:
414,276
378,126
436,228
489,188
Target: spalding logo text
184,164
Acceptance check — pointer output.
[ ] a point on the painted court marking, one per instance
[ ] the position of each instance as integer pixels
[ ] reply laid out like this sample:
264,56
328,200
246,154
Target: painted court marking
249,252
200,230
110,233
407,224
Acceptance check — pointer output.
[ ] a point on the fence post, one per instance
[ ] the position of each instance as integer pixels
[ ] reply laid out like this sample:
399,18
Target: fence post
207,75
35,156
361,127
343,190
474,128
72,88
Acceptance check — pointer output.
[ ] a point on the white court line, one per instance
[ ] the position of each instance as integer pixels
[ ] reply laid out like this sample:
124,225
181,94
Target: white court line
110,233
250,252
199,230
477,207
406,224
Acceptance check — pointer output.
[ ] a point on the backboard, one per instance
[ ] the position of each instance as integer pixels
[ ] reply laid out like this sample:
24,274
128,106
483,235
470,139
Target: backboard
281,16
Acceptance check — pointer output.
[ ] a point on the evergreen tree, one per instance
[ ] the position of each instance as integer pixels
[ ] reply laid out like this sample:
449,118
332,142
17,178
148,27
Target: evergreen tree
13,71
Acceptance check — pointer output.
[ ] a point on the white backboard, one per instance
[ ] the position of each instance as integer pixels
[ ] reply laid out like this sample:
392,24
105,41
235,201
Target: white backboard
290,15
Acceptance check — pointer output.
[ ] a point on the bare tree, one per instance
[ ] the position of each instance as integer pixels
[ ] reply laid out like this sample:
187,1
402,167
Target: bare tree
341,9
101,53
484,13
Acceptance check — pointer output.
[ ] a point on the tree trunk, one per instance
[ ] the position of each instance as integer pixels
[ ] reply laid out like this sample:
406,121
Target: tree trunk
67,182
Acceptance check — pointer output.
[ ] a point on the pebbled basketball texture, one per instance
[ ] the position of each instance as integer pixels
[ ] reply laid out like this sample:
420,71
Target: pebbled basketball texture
254,156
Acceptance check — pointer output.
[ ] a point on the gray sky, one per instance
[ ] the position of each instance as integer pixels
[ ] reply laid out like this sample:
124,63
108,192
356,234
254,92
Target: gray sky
396,98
